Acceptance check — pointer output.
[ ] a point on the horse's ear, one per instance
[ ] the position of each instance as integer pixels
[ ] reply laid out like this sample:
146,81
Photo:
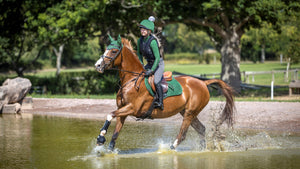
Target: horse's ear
119,40
110,38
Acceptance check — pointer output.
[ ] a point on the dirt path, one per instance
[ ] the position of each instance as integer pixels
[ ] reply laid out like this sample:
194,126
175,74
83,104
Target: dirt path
278,116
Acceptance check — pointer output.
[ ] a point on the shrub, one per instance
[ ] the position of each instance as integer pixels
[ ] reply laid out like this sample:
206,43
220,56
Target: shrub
85,82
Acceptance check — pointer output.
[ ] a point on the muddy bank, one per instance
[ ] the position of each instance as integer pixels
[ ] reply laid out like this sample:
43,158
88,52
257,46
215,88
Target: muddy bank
277,116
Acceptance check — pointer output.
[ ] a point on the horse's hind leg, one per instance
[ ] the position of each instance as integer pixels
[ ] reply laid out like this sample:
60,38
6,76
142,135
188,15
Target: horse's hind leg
200,129
187,120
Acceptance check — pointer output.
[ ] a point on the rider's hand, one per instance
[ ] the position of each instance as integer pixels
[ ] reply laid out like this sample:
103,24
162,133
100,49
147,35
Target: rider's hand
149,72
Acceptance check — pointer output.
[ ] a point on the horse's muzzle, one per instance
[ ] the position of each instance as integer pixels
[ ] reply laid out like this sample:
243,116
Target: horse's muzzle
99,68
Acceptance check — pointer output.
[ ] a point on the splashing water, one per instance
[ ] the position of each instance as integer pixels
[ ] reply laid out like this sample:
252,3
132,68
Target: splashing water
164,148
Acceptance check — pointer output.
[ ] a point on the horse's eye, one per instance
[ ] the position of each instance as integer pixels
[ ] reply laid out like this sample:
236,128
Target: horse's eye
114,51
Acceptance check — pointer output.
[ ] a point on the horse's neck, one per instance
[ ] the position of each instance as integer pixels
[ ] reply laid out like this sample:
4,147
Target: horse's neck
130,63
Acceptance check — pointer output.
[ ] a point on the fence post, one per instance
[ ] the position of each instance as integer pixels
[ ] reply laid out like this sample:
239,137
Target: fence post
287,71
247,78
272,90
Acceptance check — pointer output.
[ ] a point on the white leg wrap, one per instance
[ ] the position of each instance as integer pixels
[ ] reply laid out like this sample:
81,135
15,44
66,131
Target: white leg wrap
175,144
109,117
103,132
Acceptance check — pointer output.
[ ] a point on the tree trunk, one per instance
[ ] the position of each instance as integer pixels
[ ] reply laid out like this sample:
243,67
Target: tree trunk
263,55
230,52
20,71
58,58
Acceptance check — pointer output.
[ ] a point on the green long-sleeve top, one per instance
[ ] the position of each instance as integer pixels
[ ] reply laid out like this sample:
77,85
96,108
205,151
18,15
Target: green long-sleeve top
155,50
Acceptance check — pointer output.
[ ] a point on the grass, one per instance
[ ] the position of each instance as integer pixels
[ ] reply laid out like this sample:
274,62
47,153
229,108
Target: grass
106,96
263,79
193,69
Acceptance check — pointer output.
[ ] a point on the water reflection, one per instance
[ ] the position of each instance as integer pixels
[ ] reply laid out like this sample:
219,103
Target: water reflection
15,140
28,141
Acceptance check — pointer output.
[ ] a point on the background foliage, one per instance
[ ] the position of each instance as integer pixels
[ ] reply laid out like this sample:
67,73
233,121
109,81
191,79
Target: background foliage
33,31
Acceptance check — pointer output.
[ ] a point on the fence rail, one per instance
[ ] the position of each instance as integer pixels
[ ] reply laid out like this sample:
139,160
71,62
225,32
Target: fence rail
247,74
273,72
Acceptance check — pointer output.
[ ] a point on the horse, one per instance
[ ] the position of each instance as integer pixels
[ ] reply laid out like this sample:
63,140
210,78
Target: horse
133,99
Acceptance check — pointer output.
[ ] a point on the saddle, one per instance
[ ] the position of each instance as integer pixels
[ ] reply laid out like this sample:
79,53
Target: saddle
167,76
171,87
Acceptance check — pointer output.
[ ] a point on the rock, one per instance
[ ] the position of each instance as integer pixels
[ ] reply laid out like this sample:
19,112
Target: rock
11,108
13,91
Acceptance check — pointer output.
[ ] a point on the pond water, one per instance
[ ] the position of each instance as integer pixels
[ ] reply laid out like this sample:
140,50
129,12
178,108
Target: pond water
28,141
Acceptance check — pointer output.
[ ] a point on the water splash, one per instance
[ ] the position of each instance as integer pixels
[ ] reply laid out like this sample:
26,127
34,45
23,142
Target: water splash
164,148
95,152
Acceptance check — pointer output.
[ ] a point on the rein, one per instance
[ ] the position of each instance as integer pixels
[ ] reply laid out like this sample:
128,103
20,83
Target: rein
134,79
112,59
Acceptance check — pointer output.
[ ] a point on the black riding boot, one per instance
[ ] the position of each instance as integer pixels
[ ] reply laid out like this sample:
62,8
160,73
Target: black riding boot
159,102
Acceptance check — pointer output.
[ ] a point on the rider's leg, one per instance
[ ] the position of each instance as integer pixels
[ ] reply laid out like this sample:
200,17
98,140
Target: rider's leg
158,75
159,91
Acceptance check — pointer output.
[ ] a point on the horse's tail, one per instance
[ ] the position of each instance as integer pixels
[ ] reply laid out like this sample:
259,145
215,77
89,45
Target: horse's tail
228,112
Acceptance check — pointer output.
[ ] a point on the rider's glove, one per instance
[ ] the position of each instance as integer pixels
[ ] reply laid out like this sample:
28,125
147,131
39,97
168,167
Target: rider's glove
149,72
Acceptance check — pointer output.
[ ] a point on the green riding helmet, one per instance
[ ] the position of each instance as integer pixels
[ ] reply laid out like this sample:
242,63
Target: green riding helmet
147,25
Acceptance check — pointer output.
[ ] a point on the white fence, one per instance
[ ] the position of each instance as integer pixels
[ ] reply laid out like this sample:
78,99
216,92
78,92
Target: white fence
294,73
246,75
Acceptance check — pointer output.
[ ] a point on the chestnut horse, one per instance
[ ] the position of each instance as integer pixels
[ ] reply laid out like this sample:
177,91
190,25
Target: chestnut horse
133,99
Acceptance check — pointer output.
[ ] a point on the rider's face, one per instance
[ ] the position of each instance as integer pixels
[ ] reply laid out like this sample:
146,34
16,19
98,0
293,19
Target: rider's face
144,32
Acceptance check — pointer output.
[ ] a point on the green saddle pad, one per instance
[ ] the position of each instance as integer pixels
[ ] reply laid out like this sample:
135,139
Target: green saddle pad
174,88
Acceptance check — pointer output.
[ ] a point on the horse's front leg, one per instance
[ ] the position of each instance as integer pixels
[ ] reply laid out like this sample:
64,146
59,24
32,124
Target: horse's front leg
101,139
122,112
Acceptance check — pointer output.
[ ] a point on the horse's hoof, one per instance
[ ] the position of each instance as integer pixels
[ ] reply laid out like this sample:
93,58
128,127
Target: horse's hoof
172,147
100,140
111,146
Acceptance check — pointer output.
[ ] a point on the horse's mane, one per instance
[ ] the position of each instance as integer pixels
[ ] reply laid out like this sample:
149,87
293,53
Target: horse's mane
128,44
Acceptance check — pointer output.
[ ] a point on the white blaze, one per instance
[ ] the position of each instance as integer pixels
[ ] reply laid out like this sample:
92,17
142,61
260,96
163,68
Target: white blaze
101,59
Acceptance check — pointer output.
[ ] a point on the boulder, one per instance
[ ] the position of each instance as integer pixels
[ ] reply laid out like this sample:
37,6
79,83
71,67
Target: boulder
13,91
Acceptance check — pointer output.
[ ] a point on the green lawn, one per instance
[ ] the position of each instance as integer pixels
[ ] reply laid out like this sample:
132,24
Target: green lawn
264,79
216,68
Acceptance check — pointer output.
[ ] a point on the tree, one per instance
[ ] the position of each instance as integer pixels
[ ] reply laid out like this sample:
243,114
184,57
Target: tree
76,19
259,42
225,22
288,41
182,39
17,38
63,22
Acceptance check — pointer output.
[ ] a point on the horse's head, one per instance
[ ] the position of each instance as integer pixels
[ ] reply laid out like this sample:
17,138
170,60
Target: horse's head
112,51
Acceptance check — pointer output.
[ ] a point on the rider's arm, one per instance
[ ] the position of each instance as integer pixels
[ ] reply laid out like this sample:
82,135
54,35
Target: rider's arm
155,50
138,52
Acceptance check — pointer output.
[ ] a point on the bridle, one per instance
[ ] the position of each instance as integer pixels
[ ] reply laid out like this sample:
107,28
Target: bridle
112,59
111,62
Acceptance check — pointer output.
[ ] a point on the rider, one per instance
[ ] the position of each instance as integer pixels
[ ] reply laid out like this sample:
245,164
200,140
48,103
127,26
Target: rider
148,48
